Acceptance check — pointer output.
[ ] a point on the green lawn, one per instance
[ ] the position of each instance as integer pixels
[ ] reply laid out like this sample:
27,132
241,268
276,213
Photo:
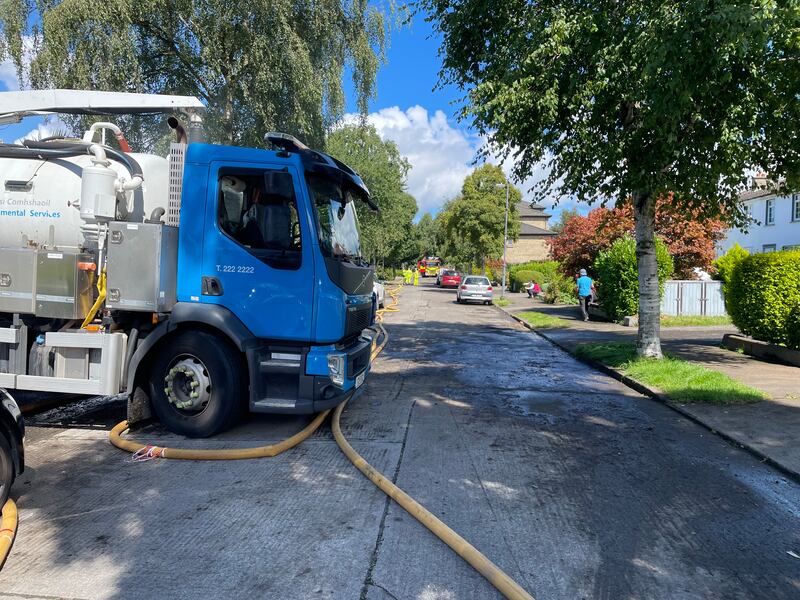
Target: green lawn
681,380
541,320
667,321
502,301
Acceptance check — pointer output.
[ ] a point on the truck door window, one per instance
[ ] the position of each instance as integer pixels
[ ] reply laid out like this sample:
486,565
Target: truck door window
258,210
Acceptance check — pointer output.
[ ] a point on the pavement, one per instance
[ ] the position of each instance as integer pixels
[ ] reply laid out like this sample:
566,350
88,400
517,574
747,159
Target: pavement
770,428
574,484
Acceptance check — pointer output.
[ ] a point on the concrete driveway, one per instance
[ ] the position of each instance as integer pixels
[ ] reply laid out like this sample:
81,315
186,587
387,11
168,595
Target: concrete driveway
575,485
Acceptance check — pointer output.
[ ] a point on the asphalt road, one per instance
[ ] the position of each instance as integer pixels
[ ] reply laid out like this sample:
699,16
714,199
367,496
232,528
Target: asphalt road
575,485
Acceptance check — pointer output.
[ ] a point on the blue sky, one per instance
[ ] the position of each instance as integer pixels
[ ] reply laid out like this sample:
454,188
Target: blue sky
406,109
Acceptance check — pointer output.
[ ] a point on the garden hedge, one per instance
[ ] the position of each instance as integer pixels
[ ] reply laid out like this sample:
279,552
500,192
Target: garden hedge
793,328
618,276
763,290
519,279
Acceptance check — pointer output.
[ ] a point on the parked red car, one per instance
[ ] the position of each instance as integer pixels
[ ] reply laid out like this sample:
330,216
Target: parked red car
450,279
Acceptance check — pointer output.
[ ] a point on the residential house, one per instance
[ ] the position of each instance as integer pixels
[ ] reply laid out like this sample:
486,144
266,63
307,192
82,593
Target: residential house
776,223
533,235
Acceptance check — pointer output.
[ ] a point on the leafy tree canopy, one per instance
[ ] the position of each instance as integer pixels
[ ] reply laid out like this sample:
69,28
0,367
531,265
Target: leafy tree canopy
474,221
259,66
384,170
642,95
633,98
563,219
690,240
428,236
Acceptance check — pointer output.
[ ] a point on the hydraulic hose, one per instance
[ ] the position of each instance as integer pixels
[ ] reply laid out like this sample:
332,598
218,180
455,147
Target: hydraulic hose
64,148
101,297
8,529
54,148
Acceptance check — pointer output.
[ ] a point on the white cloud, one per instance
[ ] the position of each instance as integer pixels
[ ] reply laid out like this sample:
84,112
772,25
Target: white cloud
8,75
8,71
441,154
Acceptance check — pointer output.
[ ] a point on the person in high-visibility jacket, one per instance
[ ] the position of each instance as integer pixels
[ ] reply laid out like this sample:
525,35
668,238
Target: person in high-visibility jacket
416,277
407,276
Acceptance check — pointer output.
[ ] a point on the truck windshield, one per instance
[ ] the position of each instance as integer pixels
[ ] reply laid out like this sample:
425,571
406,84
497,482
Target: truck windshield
337,222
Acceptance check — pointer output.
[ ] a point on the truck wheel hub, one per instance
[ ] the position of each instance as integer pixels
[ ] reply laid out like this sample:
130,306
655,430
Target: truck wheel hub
187,384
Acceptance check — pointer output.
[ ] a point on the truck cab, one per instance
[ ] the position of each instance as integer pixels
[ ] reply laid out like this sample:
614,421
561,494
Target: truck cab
202,284
269,257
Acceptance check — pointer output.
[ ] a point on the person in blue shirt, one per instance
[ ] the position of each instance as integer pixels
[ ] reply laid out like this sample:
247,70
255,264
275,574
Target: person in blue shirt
585,288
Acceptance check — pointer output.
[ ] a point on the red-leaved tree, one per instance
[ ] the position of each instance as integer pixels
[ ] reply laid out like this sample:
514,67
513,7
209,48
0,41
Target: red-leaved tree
689,239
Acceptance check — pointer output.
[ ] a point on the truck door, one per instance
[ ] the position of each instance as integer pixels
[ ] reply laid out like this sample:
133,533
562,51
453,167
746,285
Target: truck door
257,258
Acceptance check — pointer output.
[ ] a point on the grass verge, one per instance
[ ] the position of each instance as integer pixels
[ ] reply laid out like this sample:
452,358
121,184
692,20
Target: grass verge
667,321
502,301
681,380
541,320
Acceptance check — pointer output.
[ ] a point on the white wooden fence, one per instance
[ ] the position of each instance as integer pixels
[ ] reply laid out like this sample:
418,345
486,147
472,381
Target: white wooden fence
693,298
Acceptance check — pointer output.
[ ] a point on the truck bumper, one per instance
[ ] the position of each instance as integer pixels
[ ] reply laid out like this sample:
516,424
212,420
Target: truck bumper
295,380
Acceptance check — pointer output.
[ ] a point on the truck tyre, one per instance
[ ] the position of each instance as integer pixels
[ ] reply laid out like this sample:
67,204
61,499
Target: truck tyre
6,468
196,384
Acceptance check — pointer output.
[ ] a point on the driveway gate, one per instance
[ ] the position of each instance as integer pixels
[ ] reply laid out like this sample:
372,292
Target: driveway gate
693,298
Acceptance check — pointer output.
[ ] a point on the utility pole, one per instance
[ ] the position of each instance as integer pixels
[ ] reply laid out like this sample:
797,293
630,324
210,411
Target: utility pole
505,241
505,246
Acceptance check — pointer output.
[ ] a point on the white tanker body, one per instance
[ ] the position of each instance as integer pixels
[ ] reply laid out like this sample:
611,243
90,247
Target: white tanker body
40,199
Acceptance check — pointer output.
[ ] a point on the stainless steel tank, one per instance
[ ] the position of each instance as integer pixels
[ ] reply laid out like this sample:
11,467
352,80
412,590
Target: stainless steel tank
40,199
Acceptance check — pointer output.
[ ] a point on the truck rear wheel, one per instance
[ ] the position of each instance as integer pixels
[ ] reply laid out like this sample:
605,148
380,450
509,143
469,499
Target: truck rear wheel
196,384
6,468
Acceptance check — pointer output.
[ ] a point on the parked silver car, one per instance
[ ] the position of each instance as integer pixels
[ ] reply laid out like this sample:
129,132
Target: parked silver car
379,292
475,287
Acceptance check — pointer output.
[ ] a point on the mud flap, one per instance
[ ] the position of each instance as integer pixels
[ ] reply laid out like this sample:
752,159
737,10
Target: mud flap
139,408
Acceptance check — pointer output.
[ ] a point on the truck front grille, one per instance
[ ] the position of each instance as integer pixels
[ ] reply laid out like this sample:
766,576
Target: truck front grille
358,318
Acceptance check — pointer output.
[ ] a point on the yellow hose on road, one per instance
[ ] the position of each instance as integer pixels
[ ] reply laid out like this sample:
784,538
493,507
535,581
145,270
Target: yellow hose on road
494,574
8,529
115,437
146,451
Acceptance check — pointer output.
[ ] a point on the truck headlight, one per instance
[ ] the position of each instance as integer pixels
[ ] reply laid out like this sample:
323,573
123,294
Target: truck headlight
336,363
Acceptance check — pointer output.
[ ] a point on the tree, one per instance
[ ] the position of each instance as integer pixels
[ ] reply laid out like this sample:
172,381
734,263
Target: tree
474,221
428,236
617,275
633,99
384,170
258,66
691,241
563,218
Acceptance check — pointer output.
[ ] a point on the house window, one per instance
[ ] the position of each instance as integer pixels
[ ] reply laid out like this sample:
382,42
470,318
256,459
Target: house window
768,248
795,207
769,216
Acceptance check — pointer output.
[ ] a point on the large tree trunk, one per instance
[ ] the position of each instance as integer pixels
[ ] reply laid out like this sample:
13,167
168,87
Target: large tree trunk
648,341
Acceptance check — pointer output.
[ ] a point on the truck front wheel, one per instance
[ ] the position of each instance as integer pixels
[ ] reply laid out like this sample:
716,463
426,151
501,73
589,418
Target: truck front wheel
196,384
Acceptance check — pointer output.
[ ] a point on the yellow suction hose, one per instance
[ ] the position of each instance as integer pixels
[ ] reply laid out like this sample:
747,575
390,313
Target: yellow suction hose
8,529
148,451
496,576
115,437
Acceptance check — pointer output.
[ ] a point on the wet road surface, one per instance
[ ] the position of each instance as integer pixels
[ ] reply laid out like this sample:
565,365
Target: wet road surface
575,485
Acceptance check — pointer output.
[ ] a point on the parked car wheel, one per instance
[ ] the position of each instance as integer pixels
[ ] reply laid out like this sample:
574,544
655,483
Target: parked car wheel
196,384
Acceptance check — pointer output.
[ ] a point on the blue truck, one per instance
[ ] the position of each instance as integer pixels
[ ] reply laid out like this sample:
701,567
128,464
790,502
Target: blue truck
203,284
